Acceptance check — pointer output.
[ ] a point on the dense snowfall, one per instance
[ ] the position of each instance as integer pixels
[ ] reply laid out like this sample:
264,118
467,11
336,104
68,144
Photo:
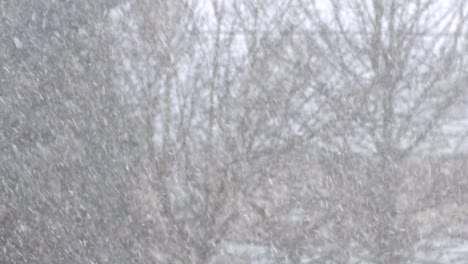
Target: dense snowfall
233,131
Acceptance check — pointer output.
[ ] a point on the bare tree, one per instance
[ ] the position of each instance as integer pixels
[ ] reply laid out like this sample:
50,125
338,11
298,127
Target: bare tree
213,115
396,74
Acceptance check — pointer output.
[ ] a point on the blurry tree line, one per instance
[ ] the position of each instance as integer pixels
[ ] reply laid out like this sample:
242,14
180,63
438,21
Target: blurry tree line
158,131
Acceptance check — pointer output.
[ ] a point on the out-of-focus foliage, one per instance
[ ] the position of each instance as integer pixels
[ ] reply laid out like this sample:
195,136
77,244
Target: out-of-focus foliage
65,147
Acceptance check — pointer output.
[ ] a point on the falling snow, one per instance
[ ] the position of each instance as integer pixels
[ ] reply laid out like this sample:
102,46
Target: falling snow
235,131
